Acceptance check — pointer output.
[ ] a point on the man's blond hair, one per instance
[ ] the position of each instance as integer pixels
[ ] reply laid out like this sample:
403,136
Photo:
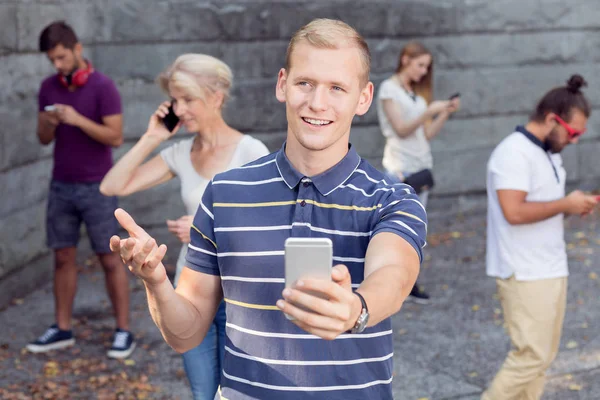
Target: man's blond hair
331,34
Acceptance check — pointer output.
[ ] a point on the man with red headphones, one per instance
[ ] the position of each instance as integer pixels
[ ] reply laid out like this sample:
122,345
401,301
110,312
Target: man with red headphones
80,111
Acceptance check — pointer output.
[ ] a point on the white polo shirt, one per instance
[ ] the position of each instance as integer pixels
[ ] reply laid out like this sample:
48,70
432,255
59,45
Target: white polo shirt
530,251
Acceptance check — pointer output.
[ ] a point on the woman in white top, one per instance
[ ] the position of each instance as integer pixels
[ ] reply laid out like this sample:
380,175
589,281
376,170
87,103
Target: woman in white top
199,86
409,119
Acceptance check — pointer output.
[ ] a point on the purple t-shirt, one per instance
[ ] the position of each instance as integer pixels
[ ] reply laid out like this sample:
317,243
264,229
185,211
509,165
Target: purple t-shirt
78,157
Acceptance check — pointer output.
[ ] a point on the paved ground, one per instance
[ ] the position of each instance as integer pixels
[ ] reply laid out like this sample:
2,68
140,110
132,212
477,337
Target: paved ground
448,350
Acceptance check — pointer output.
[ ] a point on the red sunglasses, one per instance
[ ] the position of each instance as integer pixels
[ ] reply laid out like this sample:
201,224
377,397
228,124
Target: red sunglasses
573,133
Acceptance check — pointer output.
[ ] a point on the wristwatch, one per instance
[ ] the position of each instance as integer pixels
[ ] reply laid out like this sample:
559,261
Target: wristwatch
363,318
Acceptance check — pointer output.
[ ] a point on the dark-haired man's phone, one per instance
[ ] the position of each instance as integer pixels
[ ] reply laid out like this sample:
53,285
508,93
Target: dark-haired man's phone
454,96
170,120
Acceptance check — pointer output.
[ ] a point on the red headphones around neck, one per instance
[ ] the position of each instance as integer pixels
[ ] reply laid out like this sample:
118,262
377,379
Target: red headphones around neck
79,77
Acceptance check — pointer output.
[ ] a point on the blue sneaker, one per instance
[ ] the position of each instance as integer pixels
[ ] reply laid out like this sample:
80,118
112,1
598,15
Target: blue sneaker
52,339
123,344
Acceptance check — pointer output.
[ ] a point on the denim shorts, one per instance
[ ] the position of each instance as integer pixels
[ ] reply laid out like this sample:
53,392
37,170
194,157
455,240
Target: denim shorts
71,203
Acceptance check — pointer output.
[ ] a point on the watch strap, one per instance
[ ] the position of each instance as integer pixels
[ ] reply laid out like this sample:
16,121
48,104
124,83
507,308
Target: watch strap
362,300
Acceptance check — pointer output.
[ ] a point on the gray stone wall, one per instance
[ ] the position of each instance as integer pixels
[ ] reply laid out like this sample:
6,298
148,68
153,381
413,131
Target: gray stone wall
501,55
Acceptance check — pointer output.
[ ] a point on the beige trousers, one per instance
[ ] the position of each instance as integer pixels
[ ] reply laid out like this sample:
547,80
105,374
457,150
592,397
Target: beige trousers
534,312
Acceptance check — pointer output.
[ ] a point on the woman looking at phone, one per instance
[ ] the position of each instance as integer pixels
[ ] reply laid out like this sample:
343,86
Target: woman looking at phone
199,86
409,119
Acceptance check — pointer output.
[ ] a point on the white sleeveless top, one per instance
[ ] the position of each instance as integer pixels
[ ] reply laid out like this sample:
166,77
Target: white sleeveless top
409,154
179,160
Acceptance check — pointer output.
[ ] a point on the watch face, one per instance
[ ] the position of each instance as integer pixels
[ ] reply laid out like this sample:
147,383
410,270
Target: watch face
361,322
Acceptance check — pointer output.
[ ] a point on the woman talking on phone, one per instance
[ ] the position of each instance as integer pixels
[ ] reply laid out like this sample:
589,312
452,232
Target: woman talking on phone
409,120
199,86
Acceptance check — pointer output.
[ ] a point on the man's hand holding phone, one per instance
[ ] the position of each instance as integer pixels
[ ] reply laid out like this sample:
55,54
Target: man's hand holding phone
580,203
328,315
67,114
50,116
321,306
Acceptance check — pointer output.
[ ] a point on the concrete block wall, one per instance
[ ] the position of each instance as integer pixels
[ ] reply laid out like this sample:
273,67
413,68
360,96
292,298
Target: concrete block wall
501,55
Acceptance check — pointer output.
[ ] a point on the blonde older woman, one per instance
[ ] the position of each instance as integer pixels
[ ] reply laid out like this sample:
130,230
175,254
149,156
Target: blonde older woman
199,86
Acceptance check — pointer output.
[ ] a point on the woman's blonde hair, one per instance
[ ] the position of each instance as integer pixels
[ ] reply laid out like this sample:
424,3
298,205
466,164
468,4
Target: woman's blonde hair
331,34
424,87
198,75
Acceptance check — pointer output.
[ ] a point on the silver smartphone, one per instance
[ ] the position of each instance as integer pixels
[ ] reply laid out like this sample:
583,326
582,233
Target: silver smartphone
50,108
307,258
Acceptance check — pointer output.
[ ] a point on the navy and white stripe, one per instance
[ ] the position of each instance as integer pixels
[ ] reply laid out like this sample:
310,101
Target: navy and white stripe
239,232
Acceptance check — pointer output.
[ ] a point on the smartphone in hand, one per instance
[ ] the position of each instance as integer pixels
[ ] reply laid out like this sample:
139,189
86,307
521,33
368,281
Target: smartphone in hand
454,96
50,107
170,120
307,258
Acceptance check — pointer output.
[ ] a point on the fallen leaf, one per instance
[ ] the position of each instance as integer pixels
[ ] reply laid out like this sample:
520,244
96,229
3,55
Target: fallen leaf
593,276
568,377
475,307
572,344
445,287
402,331
497,311
51,369
473,375
580,235
51,385
584,325
574,387
456,235
17,302
129,362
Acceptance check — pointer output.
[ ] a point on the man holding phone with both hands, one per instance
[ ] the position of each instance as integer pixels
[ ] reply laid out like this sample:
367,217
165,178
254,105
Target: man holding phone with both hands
315,186
526,250
80,111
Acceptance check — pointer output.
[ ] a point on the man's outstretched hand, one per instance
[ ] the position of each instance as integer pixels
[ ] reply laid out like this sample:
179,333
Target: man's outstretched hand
139,252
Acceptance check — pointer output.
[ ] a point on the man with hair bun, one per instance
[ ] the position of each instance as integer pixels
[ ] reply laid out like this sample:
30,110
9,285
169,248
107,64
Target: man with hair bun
525,236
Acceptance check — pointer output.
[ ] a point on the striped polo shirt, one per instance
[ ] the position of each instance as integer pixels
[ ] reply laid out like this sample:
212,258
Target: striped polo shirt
239,231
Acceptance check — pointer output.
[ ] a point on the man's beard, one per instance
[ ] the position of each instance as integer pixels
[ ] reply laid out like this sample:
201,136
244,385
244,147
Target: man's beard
553,143
69,77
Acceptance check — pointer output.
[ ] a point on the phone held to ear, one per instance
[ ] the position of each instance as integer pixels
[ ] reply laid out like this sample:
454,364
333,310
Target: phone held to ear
307,258
170,120
454,96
